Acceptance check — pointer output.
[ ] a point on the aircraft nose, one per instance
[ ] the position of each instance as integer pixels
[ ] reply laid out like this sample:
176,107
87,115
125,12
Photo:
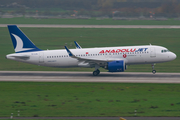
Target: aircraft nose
173,56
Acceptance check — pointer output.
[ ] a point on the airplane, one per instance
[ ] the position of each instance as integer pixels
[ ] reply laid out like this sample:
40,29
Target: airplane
113,59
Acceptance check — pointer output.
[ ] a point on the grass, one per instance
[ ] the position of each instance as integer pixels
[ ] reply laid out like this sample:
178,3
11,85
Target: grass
88,99
56,38
91,21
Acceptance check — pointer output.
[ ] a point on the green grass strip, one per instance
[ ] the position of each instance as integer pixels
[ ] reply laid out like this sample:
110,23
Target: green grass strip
89,99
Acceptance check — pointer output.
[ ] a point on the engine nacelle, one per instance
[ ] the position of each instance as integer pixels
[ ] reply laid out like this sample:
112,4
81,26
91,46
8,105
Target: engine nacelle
116,66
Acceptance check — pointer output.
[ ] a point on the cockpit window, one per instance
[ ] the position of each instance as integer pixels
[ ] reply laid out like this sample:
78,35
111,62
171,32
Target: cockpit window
163,51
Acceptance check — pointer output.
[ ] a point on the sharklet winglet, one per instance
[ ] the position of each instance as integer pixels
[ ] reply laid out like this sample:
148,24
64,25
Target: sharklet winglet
77,45
69,52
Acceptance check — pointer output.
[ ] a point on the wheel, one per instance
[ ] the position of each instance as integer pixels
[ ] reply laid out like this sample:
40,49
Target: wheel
96,73
154,71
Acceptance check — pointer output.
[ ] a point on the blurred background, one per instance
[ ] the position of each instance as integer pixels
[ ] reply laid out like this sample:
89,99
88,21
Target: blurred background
85,9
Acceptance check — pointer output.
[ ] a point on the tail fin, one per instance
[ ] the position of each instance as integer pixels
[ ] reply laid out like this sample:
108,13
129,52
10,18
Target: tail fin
20,42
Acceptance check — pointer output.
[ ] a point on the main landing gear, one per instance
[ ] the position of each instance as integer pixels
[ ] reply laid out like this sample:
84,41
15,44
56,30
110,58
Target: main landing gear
96,72
153,71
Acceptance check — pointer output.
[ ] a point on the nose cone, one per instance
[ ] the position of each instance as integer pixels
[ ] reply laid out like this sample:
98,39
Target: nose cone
172,56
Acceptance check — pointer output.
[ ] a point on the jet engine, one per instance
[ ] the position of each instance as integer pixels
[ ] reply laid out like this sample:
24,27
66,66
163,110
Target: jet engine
116,66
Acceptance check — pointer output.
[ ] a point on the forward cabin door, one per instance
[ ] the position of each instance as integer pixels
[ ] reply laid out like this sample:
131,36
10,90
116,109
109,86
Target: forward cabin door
152,52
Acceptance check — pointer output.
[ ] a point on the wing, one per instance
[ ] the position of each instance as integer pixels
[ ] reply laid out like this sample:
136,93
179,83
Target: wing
91,61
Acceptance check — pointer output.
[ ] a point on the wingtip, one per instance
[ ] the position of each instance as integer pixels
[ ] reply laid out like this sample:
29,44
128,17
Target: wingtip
68,51
66,47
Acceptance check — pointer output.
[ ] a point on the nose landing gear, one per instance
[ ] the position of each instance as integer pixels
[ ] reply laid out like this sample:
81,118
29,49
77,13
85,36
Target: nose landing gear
153,71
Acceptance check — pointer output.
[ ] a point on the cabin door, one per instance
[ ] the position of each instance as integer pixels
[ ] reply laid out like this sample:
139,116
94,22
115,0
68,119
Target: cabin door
41,57
152,52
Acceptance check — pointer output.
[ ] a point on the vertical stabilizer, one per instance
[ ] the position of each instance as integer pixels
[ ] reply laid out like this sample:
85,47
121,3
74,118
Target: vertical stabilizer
20,41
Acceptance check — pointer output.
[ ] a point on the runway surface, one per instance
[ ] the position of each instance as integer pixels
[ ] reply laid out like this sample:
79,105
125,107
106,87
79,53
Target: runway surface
119,77
94,26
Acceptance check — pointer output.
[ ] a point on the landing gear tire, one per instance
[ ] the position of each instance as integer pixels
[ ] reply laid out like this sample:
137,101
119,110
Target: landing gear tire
154,71
96,72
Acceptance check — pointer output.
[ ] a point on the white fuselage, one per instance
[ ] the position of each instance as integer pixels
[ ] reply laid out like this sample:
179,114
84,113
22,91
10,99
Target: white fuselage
130,54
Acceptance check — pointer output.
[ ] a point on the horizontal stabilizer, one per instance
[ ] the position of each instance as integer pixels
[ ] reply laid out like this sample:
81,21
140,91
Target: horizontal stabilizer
24,57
